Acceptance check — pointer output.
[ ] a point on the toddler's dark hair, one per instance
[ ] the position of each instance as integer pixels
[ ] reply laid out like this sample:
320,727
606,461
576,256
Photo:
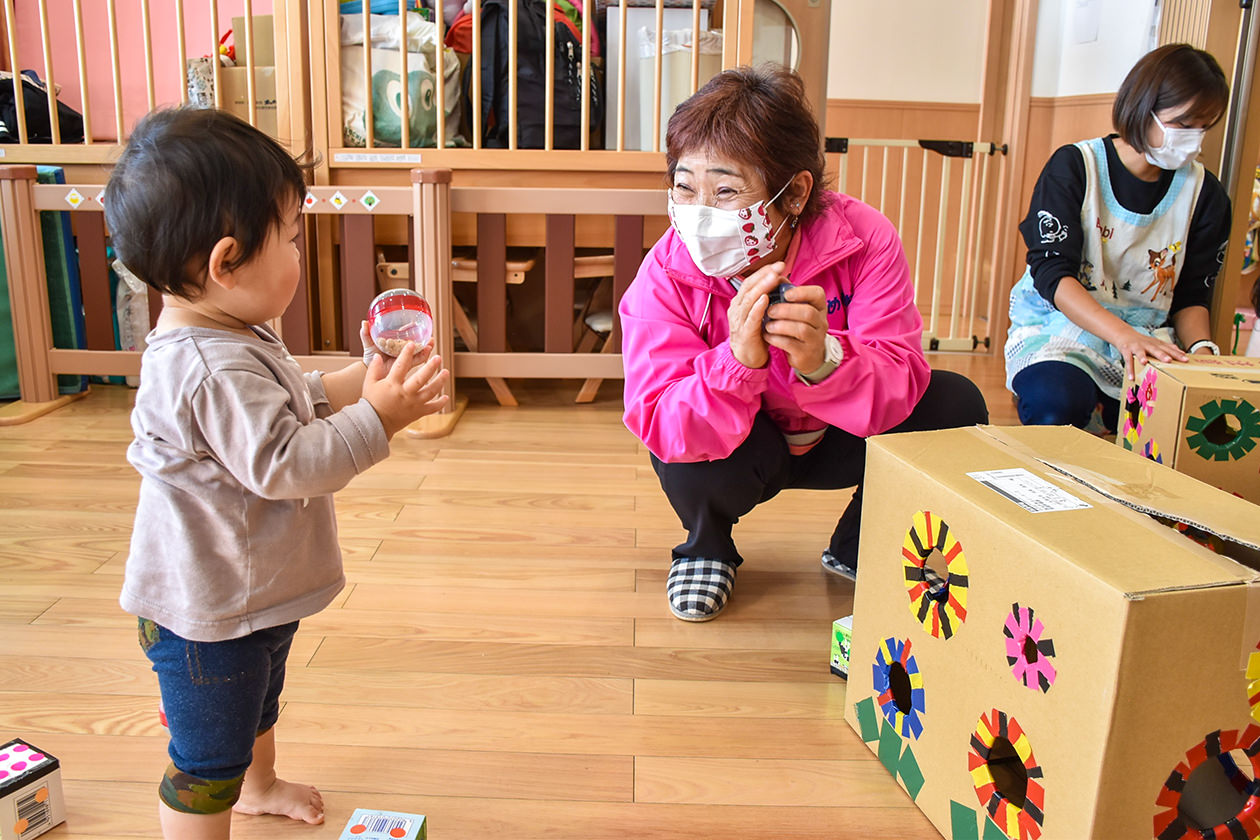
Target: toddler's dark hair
187,178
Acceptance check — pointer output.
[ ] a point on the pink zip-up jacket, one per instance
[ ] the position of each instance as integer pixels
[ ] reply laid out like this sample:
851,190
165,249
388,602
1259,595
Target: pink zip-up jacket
687,397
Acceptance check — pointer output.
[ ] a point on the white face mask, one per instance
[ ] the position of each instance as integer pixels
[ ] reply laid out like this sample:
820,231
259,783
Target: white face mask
1180,146
723,243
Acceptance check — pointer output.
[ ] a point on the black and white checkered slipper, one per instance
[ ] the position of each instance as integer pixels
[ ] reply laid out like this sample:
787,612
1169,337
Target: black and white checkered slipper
699,587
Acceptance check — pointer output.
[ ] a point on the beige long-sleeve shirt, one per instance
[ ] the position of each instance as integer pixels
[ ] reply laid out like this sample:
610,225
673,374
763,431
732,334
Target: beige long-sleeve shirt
239,454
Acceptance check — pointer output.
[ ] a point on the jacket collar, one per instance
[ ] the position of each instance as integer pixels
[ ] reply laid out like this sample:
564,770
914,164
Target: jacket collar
825,241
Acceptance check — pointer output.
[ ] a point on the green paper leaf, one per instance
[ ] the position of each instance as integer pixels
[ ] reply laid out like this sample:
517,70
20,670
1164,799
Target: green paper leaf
962,822
867,719
911,775
992,832
889,747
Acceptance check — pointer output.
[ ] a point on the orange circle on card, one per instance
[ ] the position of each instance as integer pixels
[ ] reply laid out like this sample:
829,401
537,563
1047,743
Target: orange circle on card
41,795
20,827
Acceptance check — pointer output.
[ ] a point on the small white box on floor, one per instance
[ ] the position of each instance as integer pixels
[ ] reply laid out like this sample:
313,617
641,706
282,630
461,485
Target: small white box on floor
30,791
374,824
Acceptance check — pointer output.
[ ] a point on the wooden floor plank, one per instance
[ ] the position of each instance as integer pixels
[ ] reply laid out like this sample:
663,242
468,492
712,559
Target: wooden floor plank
502,658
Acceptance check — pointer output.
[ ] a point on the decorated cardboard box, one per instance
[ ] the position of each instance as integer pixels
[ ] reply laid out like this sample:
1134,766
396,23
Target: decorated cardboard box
1082,669
374,824
30,791
1200,417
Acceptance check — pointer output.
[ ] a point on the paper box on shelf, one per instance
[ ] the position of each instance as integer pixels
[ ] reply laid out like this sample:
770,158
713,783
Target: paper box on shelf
1084,669
235,81
30,791
1200,417
374,824
841,640
264,41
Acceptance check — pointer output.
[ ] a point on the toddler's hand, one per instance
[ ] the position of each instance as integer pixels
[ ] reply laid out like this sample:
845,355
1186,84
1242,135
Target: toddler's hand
408,389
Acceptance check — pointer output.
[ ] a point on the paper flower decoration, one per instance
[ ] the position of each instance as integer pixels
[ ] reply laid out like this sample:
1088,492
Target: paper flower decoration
1215,438
940,608
1018,822
1027,652
896,654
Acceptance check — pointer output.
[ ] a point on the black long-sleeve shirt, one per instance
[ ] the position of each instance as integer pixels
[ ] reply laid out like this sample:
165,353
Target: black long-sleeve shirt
1060,191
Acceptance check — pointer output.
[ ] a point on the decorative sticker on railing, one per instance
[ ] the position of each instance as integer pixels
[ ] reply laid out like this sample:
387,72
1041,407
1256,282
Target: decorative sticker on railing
310,201
100,197
369,200
74,198
338,200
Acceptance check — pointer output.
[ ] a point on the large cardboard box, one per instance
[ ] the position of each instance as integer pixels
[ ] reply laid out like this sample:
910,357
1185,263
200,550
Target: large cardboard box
1083,671
1200,417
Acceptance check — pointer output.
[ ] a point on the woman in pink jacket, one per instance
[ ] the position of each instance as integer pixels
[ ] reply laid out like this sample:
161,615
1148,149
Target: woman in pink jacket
769,332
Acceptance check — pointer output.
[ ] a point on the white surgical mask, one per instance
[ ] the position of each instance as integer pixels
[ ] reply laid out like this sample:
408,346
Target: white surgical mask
722,243
1180,146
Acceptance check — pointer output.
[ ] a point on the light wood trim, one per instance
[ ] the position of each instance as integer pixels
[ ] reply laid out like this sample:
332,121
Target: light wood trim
439,75
10,28
585,100
549,75
392,200
476,76
512,67
334,93
431,217
95,362
621,75
404,98
539,365
575,201
28,289
1017,86
49,76
250,63
147,29
695,48
80,47
214,54
658,76
181,55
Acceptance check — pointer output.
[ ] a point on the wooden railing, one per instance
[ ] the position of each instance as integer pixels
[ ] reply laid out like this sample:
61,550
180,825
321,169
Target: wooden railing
429,203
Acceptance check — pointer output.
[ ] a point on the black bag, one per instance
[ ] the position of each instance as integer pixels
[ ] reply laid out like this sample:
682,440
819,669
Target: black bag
35,107
531,31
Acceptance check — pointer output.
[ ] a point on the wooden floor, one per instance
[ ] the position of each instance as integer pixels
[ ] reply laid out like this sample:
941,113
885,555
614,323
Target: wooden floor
502,660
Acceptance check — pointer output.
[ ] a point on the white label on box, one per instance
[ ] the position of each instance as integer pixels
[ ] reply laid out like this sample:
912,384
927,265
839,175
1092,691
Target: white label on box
367,157
1033,493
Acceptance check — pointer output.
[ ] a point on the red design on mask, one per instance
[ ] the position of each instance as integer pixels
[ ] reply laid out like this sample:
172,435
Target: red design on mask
744,214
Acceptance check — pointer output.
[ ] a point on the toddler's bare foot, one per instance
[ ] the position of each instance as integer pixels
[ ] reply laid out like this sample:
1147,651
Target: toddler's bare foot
286,799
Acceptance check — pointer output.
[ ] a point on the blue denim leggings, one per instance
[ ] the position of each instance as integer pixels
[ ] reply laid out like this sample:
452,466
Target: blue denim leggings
1060,394
218,697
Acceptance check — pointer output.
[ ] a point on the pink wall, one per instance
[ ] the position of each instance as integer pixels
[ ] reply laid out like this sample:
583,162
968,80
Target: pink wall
168,76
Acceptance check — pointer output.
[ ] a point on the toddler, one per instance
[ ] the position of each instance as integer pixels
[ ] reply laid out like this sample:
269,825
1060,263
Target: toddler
239,453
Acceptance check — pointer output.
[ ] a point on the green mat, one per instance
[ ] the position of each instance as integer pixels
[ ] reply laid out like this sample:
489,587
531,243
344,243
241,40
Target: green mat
65,299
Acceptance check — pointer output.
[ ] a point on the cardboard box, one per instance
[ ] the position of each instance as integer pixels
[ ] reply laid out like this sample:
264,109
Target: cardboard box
841,644
374,824
30,791
264,41
1200,417
1083,667
235,81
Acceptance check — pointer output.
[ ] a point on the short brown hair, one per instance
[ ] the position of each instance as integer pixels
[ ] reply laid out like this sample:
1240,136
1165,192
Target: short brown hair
1173,75
758,116
187,178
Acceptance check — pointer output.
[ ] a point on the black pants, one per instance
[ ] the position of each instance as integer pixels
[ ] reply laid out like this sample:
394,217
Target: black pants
710,496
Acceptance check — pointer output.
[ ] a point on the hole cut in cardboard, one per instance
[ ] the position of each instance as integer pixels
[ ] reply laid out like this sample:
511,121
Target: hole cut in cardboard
1010,776
1222,431
1216,791
899,685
